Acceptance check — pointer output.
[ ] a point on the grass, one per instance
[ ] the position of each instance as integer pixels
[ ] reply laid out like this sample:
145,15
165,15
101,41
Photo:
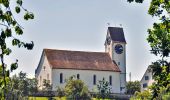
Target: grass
56,98
46,98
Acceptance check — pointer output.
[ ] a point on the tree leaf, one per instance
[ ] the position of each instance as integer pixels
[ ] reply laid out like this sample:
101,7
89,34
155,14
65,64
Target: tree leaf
17,9
14,66
18,30
8,32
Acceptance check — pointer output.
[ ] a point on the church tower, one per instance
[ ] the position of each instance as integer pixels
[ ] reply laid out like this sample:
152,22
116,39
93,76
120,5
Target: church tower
115,45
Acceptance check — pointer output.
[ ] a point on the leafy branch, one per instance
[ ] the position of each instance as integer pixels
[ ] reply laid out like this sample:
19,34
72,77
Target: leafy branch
10,26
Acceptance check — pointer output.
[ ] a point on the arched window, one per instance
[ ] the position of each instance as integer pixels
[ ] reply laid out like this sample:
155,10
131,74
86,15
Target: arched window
40,80
44,68
94,79
78,76
110,80
47,76
61,77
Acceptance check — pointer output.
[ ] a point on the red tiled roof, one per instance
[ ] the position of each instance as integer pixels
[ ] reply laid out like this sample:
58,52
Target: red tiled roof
64,59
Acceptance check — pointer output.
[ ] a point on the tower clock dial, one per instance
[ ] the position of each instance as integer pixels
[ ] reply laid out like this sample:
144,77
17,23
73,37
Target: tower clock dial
119,49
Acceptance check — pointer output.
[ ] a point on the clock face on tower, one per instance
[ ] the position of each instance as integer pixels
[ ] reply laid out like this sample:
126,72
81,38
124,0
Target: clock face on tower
119,49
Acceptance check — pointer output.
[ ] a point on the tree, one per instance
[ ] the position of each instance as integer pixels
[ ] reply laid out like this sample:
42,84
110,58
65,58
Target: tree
103,88
33,88
10,29
60,92
47,88
75,89
20,87
132,87
46,85
145,95
159,40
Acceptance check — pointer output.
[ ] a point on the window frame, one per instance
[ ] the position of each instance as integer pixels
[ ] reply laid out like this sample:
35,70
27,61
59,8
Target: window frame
145,85
78,76
94,79
146,77
110,80
61,78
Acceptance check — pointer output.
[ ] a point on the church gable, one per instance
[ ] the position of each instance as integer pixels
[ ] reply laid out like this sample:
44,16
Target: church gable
43,65
80,60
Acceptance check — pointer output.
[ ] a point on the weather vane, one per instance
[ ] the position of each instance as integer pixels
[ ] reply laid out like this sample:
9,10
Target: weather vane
108,24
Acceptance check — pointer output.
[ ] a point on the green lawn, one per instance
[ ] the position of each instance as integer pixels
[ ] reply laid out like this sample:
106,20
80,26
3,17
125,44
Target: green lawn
45,98
63,98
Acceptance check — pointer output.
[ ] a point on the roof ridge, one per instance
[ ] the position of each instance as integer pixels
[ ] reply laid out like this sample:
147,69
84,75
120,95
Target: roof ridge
73,50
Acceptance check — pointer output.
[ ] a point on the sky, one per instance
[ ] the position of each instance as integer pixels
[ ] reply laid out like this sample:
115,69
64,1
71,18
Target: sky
81,25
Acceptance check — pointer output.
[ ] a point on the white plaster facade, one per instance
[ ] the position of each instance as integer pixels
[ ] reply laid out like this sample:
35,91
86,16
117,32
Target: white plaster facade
44,71
87,77
120,60
147,79
53,75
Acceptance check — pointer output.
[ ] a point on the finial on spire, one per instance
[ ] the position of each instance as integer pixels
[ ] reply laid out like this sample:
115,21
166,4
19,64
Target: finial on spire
108,24
120,25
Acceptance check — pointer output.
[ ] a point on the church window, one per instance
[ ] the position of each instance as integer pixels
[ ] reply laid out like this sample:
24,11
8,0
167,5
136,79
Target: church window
118,63
110,80
145,85
44,68
146,77
47,76
94,79
78,76
40,80
61,77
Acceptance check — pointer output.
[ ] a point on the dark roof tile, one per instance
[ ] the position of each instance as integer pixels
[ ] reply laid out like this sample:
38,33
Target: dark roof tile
117,34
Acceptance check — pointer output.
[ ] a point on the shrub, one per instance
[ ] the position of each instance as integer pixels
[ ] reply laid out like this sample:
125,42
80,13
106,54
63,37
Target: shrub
75,89
145,95
60,92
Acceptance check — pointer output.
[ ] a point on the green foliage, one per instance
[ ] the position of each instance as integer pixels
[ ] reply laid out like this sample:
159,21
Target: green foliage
103,88
133,87
137,1
162,94
145,95
60,92
10,28
159,40
159,7
76,88
46,85
166,96
19,86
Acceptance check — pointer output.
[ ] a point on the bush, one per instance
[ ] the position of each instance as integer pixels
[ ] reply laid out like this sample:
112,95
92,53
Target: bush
75,89
60,92
103,88
145,95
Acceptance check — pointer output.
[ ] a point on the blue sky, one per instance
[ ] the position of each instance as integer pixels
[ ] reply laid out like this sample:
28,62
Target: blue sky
82,25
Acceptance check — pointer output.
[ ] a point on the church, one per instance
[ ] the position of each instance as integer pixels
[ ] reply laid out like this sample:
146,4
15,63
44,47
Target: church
90,67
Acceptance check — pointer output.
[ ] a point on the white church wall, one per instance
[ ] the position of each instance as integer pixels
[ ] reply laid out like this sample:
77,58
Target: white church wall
87,77
120,60
43,72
